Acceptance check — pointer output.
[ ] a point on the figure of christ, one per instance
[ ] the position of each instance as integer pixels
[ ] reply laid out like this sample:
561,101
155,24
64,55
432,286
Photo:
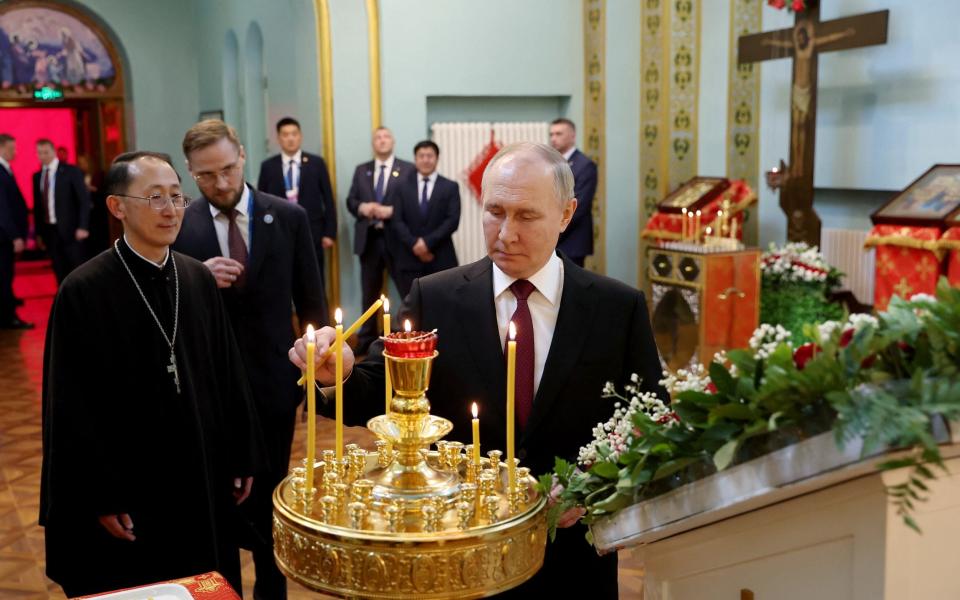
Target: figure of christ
803,42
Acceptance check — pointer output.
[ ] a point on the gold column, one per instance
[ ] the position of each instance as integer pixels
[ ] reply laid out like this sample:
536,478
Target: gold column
324,63
594,119
743,105
684,44
373,51
653,114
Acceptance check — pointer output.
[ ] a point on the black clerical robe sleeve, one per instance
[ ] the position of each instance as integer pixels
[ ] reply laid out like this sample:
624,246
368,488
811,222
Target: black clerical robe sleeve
78,430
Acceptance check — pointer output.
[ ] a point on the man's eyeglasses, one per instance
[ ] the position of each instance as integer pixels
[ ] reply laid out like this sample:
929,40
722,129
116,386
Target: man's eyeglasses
158,202
210,178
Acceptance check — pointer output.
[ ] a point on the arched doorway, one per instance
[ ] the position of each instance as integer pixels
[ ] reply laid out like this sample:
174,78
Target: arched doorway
62,78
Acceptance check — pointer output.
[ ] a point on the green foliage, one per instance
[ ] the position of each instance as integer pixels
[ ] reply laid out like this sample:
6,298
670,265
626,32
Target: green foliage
793,304
888,384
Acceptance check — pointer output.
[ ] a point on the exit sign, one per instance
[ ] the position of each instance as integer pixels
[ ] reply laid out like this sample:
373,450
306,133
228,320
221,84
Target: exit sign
47,94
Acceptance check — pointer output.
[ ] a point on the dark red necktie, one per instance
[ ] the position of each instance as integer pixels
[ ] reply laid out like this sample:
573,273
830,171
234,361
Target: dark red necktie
238,250
522,320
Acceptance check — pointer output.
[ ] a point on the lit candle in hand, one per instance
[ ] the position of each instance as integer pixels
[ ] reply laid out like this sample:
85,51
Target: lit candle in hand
338,350
386,372
476,439
352,329
311,406
511,389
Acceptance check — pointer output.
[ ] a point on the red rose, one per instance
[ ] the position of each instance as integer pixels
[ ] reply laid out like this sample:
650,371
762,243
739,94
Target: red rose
845,338
777,3
868,361
804,353
712,388
798,5
672,416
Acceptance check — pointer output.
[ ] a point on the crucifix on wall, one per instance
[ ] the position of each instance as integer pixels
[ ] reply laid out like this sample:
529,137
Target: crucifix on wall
803,43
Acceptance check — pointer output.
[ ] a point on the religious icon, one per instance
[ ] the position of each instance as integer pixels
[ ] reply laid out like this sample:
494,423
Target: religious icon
695,193
41,46
927,201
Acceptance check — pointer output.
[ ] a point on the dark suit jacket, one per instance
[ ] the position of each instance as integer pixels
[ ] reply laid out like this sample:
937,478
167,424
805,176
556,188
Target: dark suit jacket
13,209
362,190
577,240
436,228
71,201
602,334
281,272
315,194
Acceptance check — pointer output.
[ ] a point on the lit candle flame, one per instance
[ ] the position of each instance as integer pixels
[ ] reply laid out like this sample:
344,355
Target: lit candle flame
698,212
311,336
474,410
513,332
338,316
709,230
719,213
684,211
407,326
386,304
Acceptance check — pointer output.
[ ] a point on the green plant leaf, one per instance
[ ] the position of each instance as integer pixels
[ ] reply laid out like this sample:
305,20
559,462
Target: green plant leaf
724,456
672,466
722,379
606,470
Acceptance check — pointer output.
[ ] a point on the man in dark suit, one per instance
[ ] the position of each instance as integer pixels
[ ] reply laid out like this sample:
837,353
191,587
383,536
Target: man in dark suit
586,330
370,200
61,209
577,241
13,232
261,253
302,178
426,212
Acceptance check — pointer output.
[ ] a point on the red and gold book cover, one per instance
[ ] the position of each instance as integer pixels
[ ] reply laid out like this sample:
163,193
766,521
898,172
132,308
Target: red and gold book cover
208,586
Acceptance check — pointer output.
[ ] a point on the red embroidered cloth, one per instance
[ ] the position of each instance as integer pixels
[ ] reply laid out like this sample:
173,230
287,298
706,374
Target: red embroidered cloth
908,262
209,586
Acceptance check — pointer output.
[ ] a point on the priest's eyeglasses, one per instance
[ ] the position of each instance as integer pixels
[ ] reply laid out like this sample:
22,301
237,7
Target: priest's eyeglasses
209,178
158,202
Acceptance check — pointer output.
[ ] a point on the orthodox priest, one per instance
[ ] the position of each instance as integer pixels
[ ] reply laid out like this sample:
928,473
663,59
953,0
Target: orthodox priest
150,435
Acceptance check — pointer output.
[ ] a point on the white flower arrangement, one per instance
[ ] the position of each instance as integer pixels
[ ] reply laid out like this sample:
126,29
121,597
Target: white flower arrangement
766,338
832,330
612,438
796,261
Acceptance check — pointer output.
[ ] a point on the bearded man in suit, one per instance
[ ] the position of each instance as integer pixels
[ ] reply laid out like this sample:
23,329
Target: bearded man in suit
576,331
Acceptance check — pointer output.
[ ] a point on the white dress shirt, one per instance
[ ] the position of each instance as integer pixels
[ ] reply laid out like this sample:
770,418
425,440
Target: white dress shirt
51,198
221,223
431,181
293,192
387,172
544,304
569,153
6,165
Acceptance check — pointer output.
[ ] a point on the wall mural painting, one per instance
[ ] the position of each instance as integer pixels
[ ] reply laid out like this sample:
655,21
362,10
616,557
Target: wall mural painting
42,47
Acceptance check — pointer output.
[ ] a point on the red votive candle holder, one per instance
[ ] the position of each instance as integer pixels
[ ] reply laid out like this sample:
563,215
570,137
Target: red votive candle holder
410,344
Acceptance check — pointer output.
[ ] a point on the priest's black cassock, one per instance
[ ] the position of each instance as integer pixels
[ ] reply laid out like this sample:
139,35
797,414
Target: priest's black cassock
118,437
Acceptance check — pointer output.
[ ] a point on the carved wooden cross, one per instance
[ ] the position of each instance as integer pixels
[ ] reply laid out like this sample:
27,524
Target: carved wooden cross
803,42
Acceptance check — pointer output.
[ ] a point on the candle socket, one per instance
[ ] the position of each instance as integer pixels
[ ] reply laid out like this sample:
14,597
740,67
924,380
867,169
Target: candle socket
362,491
431,519
394,518
494,462
468,493
328,510
384,453
340,494
358,514
454,455
464,514
491,506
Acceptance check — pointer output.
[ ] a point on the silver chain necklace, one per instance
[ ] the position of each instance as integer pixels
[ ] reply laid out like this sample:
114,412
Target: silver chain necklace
171,340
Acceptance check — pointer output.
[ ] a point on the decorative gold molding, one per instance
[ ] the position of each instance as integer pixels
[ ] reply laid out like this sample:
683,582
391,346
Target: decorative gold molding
594,119
743,104
653,116
684,44
373,52
324,64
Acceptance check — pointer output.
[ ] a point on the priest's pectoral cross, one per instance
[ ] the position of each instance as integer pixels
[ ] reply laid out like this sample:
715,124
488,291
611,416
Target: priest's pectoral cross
172,369
804,42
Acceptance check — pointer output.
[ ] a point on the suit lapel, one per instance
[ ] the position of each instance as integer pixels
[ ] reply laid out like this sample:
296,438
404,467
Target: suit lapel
206,230
262,233
478,321
574,322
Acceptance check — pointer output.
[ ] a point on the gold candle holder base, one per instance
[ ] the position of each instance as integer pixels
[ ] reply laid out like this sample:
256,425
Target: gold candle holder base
406,520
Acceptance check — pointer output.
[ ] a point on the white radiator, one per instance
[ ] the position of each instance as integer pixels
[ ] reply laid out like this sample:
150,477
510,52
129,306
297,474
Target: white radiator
843,248
460,144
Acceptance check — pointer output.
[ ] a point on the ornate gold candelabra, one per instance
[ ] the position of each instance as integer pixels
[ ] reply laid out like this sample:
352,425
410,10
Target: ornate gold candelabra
407,519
